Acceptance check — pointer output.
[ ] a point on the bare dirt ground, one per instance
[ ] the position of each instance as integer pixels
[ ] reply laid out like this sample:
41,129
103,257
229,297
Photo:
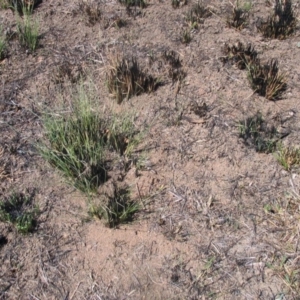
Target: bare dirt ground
218,220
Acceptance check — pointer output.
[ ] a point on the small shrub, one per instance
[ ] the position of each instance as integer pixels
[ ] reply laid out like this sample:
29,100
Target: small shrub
91,11
119,208
125,79
28,33
196,15
239,54
18,210
281,23
255,132
238,18
266,80
288,157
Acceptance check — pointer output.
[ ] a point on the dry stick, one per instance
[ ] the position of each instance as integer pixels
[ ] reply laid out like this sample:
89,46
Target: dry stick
137,186
75,290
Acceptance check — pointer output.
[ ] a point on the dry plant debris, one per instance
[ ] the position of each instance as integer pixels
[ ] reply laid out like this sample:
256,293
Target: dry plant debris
91,11
282,23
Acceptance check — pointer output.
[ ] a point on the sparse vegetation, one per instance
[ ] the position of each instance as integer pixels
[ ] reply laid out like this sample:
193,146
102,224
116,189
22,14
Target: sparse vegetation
215,215
196,15
18,209
240,55
282,23
266,80
255,132
28,32
125,79
288,157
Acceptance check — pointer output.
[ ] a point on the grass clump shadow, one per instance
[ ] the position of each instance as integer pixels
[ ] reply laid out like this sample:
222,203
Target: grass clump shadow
125,79
282,23
80,144
117,208
130,3
255,133
266,80
18,209
239,55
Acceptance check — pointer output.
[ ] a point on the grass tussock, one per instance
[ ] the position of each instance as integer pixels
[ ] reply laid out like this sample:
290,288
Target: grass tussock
256,133
18,209
125,79
238,18
80,143
3,45
288,157
28,32
239,54
282,23
266,80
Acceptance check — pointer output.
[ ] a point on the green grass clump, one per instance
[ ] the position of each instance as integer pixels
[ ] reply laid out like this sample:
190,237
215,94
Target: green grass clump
3,46
28,32
79,144
288,157
255,132
18,210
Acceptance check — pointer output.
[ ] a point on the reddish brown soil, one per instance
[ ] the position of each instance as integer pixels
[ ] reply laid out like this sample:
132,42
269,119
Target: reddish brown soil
203,231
